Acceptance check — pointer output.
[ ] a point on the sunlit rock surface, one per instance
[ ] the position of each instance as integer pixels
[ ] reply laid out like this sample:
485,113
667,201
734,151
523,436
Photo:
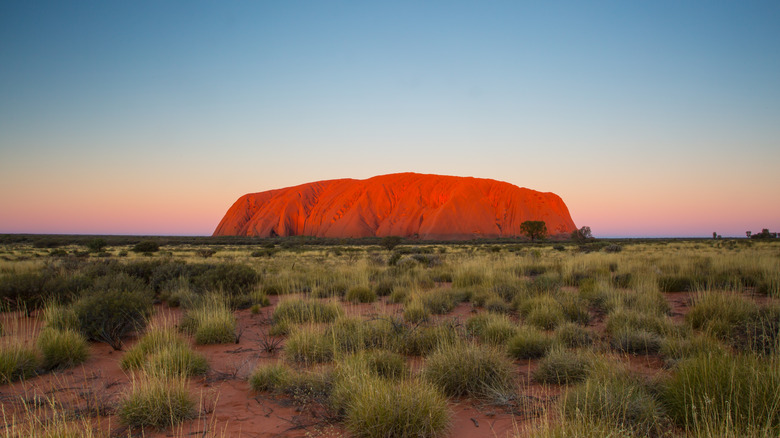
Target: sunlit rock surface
402,204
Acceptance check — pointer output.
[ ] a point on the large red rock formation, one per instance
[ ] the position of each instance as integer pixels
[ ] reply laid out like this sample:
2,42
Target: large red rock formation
402,204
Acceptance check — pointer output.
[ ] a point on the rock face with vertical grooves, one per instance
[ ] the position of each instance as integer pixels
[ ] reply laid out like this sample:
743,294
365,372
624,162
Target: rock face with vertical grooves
432,207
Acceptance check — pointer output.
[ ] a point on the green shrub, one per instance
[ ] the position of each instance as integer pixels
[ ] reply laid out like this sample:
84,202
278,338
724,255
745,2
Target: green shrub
62,348
562,366
572,335
720,393
17,362
111,315
146,246
529,343
721,313
469,369
231,278
406,409
360,294
157,402
617,404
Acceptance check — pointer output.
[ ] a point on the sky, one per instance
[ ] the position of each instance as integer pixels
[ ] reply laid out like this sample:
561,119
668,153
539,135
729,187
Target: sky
648,118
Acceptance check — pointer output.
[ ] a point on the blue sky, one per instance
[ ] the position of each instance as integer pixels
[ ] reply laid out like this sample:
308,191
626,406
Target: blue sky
647,118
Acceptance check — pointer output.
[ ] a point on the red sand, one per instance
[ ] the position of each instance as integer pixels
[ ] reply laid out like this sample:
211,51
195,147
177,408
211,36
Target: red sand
403,204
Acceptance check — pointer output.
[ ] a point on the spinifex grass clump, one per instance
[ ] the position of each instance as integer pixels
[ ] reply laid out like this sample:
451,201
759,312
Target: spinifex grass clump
441,301
299,311
309,345
157,402
407,409
543,312
562,366
491,328
636,341
62,348
415,312
613,401
572,335
360,294
270,377
742,323
161,351
529,343
715,394
17,362
464,368
211,323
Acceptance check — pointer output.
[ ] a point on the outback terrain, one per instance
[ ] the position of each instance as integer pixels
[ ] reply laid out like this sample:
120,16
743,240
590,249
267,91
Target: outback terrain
280,338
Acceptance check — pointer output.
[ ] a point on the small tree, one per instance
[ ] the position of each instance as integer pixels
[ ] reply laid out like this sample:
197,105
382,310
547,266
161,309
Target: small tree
390,242
748,233
146,246
96,245
582,234
534,229
714,235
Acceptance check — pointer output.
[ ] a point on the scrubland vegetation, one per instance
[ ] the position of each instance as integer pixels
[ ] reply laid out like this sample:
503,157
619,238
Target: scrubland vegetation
654,338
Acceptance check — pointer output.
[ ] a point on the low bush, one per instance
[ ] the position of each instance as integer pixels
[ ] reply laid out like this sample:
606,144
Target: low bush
497,304
561,366
146,246
441,301
111,315
231,278
529,343
212,322
157,402
469,369
62,348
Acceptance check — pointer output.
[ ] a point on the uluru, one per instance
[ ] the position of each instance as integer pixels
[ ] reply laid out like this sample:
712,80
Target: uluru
434,207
